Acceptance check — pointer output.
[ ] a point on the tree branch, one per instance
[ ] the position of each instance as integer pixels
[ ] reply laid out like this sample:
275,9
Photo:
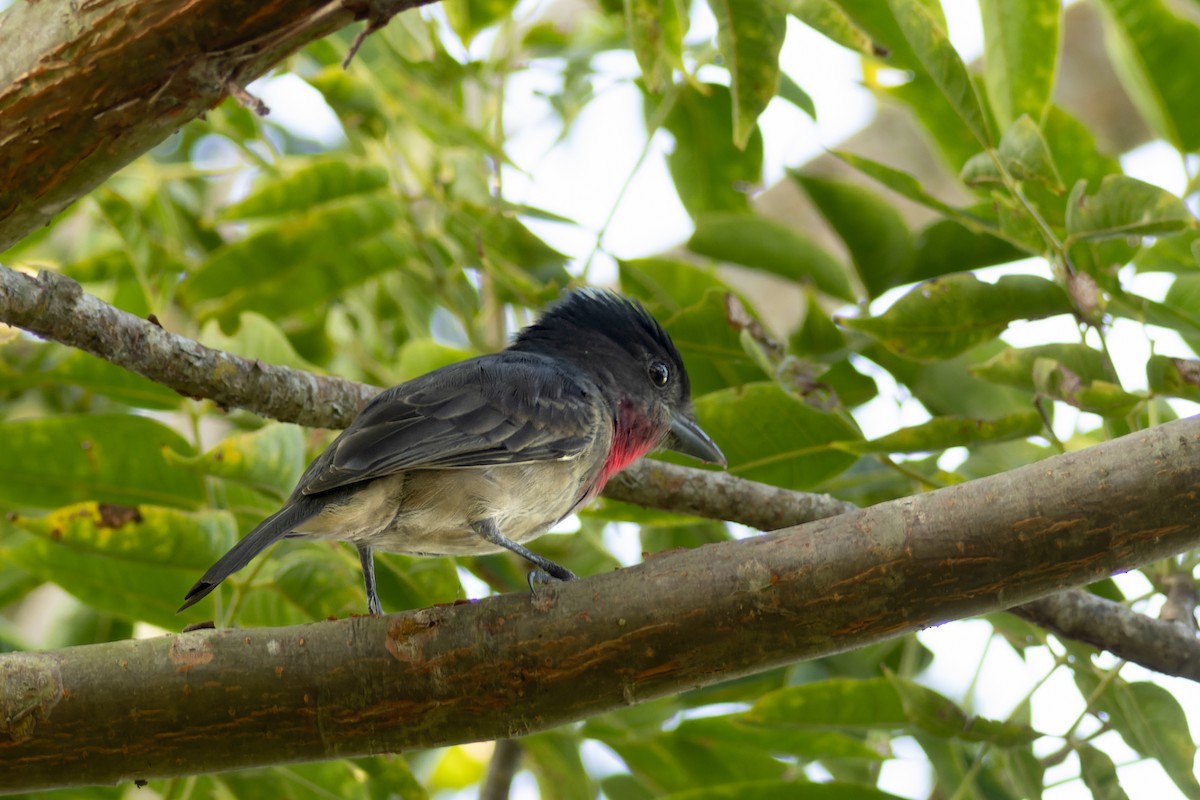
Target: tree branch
55,307
512,664
1162,645
501,770
74,111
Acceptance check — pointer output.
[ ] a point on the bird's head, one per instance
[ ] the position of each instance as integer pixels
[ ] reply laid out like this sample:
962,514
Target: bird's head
631,358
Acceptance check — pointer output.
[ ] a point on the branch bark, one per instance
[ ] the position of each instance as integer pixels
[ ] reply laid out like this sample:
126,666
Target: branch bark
85,88
1167,646
518,663
55,307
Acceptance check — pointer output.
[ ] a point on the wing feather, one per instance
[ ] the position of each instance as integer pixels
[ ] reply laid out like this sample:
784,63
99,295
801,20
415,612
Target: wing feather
506,408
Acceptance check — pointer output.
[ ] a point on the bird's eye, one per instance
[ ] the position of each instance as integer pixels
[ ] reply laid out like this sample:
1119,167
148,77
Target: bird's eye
660,373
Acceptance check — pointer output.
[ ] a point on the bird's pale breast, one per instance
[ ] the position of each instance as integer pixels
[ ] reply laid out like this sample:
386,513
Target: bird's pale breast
421,513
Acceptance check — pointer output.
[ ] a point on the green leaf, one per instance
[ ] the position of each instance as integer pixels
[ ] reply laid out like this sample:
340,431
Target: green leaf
952,138
674,763
1179,253
939,716
518,260
1074,149
733,732
1014,365
1125,206
623,786
1020,51
1024,154
830,19
307,184
134,561
311,283
1179,311
1073,373
947,246
851,386
1177,377
791,91
1157,55
709,172
941,433
117,459
949,387
711,348
1099,774
1021,771
258,338
656,29
1148,718
554,757
839,703
771,436
761,243
388,777
907,186
872,229
295,241
93,374
946,316
1099,397
1183,298
749,35
413,581
783,790
15,584
418,356
817,335
297,582
666,286
270,459
469,17
928,38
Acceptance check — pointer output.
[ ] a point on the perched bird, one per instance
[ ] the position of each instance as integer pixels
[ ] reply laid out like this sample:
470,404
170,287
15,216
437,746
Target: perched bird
482,455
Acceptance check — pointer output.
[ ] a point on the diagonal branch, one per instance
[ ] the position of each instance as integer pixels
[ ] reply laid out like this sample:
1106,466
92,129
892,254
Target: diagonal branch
85,88
56,308
513,664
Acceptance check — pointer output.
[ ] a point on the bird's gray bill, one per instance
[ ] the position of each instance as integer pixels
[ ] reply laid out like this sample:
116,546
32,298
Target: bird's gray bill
686,437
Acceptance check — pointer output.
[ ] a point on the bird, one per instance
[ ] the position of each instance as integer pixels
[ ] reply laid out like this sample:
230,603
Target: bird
483,455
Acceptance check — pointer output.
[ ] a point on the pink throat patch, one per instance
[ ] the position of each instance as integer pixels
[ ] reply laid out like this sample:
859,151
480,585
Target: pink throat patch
634,435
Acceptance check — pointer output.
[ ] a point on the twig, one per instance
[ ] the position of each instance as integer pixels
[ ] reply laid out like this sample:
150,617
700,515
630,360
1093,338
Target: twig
503,767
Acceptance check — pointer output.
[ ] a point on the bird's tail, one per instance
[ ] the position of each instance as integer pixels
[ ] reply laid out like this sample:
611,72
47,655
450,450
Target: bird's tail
266,533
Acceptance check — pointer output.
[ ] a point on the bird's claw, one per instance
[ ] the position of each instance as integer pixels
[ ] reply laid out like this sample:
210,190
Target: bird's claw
556,574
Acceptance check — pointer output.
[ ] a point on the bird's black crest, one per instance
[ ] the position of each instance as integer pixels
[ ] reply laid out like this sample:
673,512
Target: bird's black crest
620,319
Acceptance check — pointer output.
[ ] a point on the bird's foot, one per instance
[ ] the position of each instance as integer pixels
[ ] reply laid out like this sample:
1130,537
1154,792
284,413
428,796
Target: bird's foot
555,574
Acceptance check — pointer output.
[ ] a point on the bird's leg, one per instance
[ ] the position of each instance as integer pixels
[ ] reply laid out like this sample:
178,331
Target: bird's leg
367,558
546,569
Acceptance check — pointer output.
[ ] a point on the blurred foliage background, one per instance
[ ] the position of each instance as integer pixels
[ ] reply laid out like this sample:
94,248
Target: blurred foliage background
393,249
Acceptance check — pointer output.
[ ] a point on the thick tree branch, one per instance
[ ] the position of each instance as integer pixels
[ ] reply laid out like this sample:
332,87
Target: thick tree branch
56,308
518,663
1163,645
85,88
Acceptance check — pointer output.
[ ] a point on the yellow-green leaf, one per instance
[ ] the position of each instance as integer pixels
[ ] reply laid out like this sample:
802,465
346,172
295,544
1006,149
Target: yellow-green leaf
945,316
750,34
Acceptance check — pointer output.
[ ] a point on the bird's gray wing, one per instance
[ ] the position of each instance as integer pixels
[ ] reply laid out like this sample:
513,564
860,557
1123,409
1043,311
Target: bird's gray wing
506,408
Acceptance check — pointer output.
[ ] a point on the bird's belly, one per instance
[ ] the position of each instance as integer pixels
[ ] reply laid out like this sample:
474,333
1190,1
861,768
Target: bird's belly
429,512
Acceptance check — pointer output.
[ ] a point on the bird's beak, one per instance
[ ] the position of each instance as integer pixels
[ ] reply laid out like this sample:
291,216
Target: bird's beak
686,437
